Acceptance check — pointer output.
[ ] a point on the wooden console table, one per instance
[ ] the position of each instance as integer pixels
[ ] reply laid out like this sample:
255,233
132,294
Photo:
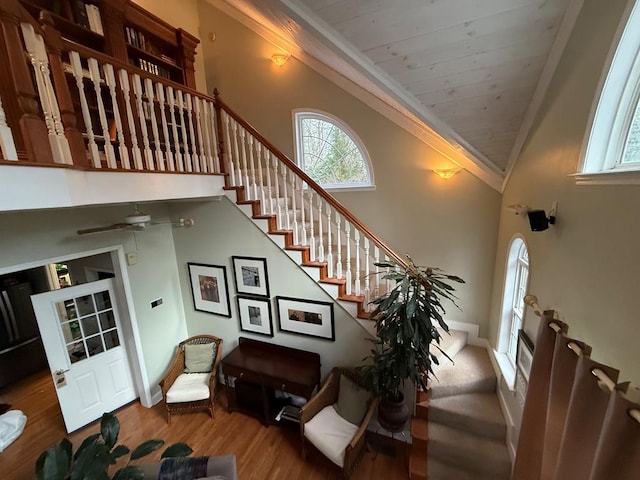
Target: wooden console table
260,369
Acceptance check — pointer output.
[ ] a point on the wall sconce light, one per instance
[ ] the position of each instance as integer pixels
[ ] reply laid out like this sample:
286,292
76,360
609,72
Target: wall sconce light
446,173
538,219
280,58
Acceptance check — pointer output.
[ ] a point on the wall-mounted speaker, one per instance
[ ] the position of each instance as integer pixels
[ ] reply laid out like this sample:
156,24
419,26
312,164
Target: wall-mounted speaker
538,220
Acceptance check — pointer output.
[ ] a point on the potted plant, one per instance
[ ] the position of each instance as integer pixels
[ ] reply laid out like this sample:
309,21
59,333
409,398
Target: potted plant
97,453
406,319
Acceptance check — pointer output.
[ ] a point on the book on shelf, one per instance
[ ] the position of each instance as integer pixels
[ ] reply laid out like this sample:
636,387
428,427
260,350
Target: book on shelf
79,11
95,21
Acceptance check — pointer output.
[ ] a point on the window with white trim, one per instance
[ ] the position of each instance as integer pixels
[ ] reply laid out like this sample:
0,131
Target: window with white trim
612,144
330,152
513,307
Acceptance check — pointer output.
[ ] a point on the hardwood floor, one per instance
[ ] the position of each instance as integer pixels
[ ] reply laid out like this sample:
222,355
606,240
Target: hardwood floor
262,453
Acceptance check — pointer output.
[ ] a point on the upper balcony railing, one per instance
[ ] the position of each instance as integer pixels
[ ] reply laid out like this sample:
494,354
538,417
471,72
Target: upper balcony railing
69,106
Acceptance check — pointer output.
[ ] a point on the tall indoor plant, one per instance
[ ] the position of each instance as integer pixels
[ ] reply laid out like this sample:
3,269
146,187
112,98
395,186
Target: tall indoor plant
406,319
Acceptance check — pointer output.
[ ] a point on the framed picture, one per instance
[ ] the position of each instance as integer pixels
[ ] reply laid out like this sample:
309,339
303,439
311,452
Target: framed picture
524,355
250,274
306,317
209,288
255,315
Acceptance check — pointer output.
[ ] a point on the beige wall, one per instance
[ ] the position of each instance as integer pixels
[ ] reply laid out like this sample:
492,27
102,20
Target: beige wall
181,14
450,224
586,266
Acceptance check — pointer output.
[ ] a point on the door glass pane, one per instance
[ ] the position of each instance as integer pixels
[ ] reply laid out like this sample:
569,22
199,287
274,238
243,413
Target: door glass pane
94,345
103,301
66,310
90,326
107,320
76,351
85,305
111,339
71,331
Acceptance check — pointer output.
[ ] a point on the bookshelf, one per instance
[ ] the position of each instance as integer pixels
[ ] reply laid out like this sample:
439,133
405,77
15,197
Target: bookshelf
126,31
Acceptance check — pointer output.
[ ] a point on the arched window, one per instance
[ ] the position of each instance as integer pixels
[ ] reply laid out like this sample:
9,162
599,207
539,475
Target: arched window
612,145
515,288
330,152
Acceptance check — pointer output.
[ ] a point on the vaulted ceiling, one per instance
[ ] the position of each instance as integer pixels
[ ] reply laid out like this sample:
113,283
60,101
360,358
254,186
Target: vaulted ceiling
466,76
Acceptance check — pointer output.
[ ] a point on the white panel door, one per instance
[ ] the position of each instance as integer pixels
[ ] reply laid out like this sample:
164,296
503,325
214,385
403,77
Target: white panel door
82,337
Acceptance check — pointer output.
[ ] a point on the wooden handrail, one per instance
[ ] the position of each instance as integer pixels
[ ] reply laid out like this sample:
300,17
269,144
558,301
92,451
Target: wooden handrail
309,181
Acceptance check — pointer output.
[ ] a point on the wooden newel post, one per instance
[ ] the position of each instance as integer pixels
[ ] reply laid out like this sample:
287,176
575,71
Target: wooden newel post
16,87
187,44
221,146
53,42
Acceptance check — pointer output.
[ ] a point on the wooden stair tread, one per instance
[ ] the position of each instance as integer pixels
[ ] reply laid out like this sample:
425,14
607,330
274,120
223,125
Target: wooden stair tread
419,428
418,465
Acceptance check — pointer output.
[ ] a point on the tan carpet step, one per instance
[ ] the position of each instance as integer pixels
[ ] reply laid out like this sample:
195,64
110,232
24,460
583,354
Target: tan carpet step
450,343
467,451
477,413
471,372
438,470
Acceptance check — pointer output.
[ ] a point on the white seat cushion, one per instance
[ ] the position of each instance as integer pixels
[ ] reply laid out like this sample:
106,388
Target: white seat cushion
330,433
189,387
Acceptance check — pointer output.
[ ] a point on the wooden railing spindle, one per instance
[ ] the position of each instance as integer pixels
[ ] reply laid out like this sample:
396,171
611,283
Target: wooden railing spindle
183,128
263,206
7,144
174,129
197,109
137,90
162,103
126,90
195,158
110,79
148,87
78,75
231,156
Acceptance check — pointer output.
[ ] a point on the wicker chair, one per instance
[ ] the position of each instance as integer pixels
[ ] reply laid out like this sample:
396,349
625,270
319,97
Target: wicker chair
328,395
177,368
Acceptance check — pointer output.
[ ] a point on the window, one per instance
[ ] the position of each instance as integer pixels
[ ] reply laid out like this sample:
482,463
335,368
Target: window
515,288
612,146
330,153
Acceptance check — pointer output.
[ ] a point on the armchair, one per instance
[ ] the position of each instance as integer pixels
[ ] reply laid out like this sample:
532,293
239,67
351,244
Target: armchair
190,382
322,424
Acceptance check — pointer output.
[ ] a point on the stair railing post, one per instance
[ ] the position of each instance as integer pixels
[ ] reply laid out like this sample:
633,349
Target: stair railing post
205,166
7,144
126,91
94,73
217,163
252,166
223,150
312,234
171,97
195,158
276,172
329,257
245,178
148,87
285,184
162,103
78,75
294,207
186,156
303,224
357,281
267,156
367,274
137,90
232,154
262,198
110,80
338,247
376,260
320,231
348,276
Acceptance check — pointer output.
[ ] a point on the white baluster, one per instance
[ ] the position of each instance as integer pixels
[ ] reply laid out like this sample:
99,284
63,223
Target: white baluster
94,71
376,260
76,68
204,165
320,231
236,145
276,172
7,145
213,132
171,166
148,87
39,58
294,185
110,79
195,158
267,154
338,247
329,245
254,187
303,238
126,91
263,205
285,184
137,90
188,165
312,233
357,281
205,130
174,129
231,156
367,275
388,280
245,178
349,277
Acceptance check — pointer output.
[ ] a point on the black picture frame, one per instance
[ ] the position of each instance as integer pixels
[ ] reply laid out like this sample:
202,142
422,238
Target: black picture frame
254,315
209,288
315,318
251,276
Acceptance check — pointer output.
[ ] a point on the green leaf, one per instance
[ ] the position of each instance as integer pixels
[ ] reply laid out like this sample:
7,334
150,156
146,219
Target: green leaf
40,465
56,463
130,472
119,451
146,448
177,450
109,428
86,443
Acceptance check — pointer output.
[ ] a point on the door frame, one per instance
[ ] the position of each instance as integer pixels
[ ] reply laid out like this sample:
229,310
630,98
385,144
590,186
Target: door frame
131,331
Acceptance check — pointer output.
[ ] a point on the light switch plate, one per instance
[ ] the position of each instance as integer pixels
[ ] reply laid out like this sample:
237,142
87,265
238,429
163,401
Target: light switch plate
132,258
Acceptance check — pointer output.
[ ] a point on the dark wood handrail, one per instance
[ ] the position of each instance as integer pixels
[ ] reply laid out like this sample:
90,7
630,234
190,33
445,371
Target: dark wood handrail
309,181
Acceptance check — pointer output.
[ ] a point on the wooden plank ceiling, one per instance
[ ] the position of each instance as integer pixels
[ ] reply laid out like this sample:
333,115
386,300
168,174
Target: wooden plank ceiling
467,68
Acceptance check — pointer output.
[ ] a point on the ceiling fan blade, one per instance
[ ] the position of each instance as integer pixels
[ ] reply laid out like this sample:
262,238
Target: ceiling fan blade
181,222
109,228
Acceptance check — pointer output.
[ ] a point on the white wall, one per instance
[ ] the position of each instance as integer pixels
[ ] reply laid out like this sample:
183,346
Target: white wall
221,231
42,236
450,224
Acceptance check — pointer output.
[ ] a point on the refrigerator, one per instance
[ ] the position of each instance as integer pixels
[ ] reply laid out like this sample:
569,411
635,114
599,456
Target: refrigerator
21,349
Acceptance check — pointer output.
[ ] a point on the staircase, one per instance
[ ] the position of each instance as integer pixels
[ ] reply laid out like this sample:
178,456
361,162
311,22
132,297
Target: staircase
461,418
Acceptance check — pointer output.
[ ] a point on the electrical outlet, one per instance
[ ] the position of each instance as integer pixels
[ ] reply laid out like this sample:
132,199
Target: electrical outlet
156,303
132,258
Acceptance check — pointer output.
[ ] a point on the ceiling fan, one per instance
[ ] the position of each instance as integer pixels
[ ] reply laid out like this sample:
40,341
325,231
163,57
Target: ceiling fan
137,221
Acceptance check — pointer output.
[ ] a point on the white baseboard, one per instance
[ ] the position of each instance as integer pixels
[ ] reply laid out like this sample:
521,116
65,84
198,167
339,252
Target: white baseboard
472,330
156,397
